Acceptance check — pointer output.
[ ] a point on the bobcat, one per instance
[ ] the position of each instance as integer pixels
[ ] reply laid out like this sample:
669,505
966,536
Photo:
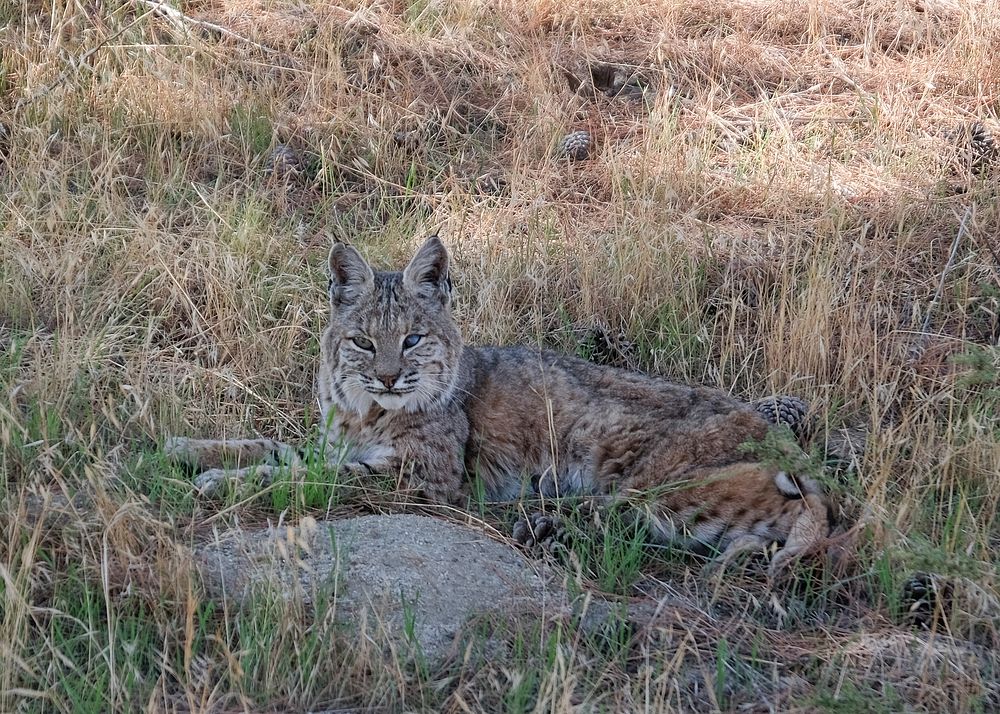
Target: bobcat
402,394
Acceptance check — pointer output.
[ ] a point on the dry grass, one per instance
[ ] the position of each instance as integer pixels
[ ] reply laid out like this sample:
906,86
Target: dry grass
773,214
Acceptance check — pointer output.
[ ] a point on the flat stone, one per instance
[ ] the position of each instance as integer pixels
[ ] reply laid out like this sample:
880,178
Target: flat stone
401,568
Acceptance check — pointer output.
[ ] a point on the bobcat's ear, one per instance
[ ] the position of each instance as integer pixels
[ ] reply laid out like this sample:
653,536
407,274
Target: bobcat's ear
350,276
427,273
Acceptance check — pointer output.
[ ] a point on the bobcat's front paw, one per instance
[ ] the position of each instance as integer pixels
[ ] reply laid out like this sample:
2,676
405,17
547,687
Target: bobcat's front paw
212,482
537,529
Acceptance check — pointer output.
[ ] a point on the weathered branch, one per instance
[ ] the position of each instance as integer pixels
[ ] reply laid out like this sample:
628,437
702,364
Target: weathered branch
184,22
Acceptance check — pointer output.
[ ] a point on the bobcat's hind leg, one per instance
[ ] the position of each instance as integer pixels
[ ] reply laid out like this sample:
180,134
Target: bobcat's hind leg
746,543
811,528
537,529
549,530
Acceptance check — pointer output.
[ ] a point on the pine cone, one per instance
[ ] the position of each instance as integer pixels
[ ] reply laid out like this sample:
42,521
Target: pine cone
627,86
604,348
576,145
492,183
924,599
783,410
407,139
283,162
976,149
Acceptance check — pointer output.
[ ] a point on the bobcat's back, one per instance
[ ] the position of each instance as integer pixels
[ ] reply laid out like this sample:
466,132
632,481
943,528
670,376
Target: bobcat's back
574,426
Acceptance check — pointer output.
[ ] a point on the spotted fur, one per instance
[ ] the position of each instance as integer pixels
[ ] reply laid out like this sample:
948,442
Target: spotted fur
401,394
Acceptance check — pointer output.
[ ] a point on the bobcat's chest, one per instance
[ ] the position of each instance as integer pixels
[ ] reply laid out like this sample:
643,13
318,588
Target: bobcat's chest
361,438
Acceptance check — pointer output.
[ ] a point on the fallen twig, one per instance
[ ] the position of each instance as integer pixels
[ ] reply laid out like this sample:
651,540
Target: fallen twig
920,344
993,251
153,7
182,21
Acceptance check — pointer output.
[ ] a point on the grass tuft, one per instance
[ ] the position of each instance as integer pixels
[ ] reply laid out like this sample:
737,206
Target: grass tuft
772,204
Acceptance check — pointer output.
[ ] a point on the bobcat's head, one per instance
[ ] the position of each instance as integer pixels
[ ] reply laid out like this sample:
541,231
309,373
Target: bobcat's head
391,338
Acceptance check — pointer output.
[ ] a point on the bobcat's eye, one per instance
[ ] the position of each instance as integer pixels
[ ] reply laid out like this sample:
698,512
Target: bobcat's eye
412,341
363,343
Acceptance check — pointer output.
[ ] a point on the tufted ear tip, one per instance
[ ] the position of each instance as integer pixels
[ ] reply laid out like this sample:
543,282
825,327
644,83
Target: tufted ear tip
350,274
427,273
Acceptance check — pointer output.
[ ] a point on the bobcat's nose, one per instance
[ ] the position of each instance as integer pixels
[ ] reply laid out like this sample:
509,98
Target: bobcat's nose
389,380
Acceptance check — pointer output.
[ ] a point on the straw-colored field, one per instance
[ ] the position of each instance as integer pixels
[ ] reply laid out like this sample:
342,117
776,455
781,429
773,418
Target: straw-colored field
779,197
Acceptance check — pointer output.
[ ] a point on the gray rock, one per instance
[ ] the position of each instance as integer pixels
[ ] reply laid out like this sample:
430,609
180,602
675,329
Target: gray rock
398,568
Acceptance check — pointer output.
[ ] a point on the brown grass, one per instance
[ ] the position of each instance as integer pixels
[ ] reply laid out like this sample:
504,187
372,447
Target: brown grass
774,216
